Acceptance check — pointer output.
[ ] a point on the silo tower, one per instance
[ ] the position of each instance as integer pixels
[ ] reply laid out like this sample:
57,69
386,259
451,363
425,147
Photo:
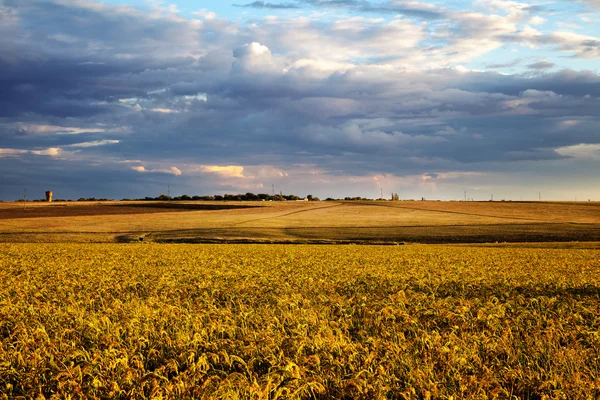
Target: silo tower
49,196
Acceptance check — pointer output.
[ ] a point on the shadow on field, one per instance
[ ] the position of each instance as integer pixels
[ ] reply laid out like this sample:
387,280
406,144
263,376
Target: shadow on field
500,291
506,292
193,206
78,210
442,234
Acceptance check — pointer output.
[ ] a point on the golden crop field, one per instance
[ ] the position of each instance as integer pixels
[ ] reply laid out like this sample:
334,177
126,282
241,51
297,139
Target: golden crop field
298,322
364,221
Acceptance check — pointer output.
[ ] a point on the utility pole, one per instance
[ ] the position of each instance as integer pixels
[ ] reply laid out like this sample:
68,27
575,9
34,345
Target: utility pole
381,194
540,196
465,196
25,196
273,190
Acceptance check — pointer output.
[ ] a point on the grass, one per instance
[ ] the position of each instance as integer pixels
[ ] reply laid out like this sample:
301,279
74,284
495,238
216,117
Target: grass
273,322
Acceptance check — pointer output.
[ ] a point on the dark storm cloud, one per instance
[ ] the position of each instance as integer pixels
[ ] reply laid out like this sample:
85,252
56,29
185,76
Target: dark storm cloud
58,69
104,181
564,82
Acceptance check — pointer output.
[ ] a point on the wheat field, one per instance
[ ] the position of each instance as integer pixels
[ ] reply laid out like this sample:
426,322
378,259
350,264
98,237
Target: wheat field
298,322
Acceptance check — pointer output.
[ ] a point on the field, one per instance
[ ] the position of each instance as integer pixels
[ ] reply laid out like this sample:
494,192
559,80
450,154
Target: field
507,307
302,222
276,321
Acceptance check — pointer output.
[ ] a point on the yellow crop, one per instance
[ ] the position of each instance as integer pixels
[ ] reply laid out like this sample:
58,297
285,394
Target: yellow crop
272,322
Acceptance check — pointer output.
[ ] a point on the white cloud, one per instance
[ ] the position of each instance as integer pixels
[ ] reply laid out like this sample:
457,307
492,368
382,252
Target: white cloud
175,171
93,144
55,151
584,151
40,129
172,170
232,171
346,41
51,151
12,152
254,58
204,13
569,123
165,111
537,20
130,101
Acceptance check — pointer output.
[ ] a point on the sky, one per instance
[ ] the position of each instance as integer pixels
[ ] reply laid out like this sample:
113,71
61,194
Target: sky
335,98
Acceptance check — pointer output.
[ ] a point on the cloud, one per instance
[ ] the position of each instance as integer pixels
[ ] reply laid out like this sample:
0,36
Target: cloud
272,6
593,3
164,110
66,151
233,171
583,46
540,65
255,58
37,129
51,151
537,20
12,152
305,99
511,64
585,151
408,8
93,144
172,170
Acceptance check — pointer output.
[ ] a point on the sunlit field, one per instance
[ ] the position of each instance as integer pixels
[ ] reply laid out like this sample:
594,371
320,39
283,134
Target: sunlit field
299,200
325,221
298,321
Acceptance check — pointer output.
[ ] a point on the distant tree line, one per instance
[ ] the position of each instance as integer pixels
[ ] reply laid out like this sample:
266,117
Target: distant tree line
226,197
44,200
348,199
230,197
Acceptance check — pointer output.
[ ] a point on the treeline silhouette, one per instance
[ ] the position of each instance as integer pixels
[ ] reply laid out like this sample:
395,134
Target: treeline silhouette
226,197
230,197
